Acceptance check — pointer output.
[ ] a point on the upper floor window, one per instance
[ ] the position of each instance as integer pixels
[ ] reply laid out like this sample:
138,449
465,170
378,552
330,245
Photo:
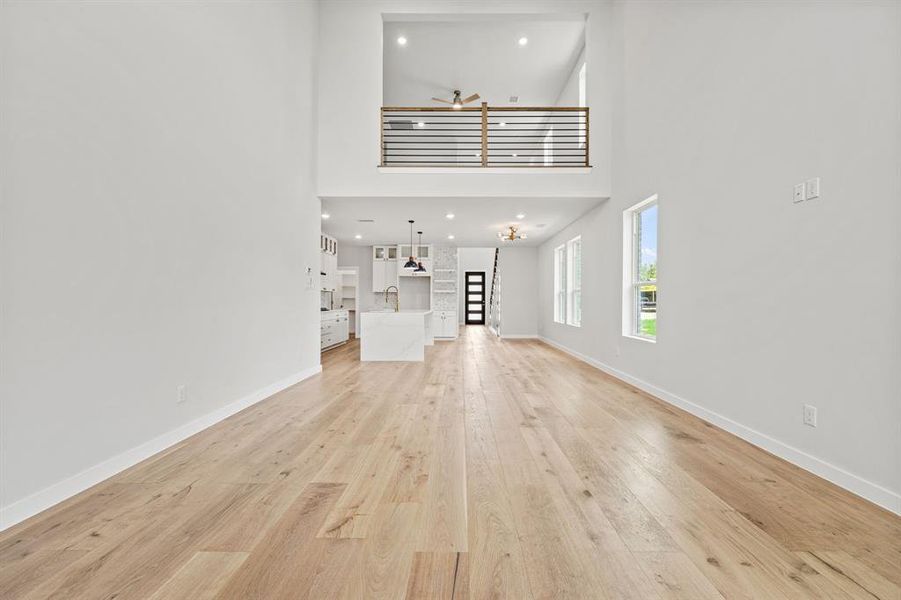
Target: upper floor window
640,270
560,284
583,102
574,282
568,283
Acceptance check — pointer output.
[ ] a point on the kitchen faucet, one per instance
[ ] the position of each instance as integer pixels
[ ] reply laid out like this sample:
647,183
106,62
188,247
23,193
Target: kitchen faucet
397,297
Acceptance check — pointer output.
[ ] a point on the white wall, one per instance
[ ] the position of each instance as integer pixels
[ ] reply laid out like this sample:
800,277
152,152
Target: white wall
351,49
517,267
764,304
569,94
158,215
361,256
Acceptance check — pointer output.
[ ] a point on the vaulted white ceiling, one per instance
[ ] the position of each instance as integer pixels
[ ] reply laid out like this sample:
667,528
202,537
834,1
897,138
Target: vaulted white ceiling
480,56
476,221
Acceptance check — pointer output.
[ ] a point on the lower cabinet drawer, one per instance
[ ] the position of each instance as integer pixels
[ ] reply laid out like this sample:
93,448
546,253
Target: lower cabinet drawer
328,339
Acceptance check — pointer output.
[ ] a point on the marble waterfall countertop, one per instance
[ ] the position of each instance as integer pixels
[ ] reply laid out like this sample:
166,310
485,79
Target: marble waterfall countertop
386,335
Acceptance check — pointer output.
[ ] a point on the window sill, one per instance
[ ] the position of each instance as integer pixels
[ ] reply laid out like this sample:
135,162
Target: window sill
640,338
494,170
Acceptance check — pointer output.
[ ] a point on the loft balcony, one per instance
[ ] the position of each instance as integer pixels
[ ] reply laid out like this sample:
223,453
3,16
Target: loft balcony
485,137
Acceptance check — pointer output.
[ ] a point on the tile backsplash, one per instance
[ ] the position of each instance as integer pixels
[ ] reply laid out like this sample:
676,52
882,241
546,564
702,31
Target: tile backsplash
444,278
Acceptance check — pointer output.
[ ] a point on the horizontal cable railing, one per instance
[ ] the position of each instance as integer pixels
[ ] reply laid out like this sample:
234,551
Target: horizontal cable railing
484,136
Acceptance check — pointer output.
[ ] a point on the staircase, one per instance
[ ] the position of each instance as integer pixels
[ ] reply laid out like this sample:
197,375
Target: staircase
494,299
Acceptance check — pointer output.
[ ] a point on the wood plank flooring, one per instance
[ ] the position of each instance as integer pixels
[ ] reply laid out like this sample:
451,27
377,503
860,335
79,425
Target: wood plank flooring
496,469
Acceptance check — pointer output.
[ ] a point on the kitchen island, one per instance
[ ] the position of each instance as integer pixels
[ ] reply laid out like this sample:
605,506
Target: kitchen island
395,336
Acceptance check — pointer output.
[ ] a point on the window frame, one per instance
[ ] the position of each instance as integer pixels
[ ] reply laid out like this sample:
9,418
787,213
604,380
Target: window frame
573,287
583,100
632,282
560,284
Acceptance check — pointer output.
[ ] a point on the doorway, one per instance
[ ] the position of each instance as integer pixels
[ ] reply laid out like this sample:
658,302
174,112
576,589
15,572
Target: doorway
475,297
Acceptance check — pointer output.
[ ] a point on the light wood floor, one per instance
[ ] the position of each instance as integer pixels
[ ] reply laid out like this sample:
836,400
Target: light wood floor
493,470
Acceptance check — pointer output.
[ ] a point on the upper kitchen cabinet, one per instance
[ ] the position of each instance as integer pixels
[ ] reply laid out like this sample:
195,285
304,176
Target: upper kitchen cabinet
384,267
328,262
421,254
384,253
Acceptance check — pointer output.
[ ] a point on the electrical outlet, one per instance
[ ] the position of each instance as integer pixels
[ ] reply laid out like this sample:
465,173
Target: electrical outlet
810,415
799,194
812,187
180,395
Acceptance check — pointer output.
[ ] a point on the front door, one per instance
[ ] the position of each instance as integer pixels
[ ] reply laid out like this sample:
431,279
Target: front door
475,297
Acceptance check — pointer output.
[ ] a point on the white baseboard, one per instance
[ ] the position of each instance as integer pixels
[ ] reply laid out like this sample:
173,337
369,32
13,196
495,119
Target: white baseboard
868,490
31,505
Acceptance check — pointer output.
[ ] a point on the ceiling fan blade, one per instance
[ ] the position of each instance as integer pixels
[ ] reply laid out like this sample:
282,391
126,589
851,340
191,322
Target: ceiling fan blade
440,100
471,98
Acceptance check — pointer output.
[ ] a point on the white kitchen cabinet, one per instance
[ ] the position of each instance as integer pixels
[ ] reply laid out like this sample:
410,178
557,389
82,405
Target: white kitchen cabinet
378,276
444,324
422,254
384,253
334,328
328,263
384,267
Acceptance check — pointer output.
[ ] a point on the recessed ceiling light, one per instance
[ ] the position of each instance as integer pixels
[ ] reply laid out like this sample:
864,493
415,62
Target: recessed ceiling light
515,155
402,41
358,237
522,41
325,215
450,237
503,124
421,124
449,215
520,216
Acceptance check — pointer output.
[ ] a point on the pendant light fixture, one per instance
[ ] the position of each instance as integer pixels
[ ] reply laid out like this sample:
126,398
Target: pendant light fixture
411,262
419,268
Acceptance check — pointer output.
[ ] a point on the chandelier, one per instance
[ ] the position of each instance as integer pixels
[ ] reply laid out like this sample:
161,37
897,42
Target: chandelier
511,234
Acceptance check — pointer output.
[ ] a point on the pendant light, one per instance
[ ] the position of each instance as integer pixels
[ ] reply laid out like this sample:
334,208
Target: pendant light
419,268
411,262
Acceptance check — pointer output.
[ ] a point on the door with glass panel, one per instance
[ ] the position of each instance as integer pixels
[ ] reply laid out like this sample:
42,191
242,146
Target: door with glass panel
475,297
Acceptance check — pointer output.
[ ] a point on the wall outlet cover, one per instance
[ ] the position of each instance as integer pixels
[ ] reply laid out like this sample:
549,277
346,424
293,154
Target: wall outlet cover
799,194
810,415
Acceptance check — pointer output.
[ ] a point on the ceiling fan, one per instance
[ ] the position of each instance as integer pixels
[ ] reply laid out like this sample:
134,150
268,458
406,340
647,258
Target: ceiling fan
457,101
511,234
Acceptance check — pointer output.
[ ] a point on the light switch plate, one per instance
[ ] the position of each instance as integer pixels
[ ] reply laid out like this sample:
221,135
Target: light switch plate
813,188
799,192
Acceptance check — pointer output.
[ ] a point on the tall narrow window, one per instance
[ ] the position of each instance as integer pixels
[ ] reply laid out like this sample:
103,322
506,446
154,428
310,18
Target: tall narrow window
583,102
583,93
640,270
560,284
574,282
